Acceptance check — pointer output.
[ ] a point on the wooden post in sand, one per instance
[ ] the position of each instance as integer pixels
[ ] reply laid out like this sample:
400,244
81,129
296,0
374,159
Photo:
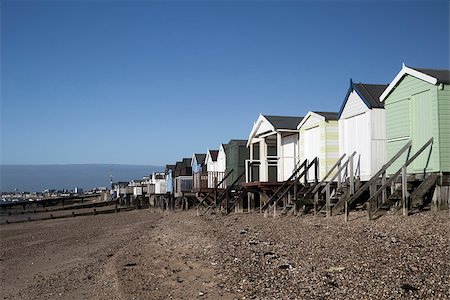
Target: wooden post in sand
369,210
404,191
346,211
328,200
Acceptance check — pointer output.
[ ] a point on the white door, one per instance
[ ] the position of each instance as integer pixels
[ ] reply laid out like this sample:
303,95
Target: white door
357,138
289,146
312,147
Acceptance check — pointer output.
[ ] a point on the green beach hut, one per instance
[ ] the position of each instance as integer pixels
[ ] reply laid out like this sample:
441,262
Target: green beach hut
236,152
417,107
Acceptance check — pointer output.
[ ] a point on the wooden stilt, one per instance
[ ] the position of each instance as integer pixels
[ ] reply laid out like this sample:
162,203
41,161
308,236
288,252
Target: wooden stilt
328,201
369,210
404,191
346,211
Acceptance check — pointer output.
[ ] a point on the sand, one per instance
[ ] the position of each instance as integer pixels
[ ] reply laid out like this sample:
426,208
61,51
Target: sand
147,254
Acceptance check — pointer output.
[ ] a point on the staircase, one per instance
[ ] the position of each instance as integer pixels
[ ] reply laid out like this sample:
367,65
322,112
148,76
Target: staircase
416,197
232,195
398,188
211,198
292,186
332,192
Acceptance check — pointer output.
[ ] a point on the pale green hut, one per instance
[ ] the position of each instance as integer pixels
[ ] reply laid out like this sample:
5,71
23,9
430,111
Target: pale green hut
417,107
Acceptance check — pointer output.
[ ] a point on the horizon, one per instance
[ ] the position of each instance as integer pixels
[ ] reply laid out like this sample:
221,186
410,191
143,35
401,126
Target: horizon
152,82
36,178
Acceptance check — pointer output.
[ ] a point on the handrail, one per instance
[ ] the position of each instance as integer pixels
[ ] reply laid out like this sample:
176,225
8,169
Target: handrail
375,177
220,197
229,187
328,174
313,162
338,171
284,184
406,164
215,188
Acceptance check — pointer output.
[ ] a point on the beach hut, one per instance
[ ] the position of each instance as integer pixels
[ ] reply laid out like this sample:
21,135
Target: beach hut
183,177
417,104
236,153
273,147
319,137
221,159
198,162
159,181
362,128
169,178
215,172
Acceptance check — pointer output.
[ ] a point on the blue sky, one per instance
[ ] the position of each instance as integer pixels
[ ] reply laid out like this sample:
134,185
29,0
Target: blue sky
150,82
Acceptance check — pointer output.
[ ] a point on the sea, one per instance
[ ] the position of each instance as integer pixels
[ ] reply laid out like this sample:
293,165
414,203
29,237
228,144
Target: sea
37,178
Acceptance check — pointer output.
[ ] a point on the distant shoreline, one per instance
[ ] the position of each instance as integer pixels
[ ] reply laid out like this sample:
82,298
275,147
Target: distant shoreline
36,178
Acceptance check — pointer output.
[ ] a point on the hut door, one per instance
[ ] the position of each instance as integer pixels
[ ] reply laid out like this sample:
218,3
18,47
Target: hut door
421,127
312,147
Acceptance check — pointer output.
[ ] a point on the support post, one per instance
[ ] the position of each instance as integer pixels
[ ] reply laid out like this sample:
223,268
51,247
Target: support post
328,201
383,193
404,191
346,211
316,202
339,176
352,178
369,210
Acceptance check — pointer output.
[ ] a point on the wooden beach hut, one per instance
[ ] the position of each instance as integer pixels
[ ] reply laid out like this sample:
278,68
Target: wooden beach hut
417,167
183,177
273,147
417,104
236,153
169,171
215,171
362,128
198,162
319,137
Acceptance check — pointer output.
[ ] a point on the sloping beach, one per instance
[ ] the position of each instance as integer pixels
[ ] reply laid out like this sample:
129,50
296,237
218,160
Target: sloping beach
147,254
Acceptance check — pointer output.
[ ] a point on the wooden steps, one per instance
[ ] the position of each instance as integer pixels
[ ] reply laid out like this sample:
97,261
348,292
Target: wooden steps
416,197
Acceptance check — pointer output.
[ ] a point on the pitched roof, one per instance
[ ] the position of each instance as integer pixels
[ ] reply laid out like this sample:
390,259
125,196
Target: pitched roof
238,142
442,76
369,94
200,158
327,115
214,154
187,162
283,122
432,76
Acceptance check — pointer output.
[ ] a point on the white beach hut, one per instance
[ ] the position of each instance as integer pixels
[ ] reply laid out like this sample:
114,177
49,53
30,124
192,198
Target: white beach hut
273,144
362,128
319,137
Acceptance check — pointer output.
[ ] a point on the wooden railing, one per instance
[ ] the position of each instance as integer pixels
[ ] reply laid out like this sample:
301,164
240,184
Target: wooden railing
285,185
382,171
208,180
214,191
183,184
339,177
373,205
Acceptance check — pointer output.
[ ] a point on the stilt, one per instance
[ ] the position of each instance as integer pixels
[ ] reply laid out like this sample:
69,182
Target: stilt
404,191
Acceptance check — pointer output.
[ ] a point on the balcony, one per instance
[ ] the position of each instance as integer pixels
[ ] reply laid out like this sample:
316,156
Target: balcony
208,180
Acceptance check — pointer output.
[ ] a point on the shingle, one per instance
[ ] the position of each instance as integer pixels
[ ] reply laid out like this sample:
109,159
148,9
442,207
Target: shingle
214,154
200,157
328,115
371,93
442,76
238,142
283,122
187,162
